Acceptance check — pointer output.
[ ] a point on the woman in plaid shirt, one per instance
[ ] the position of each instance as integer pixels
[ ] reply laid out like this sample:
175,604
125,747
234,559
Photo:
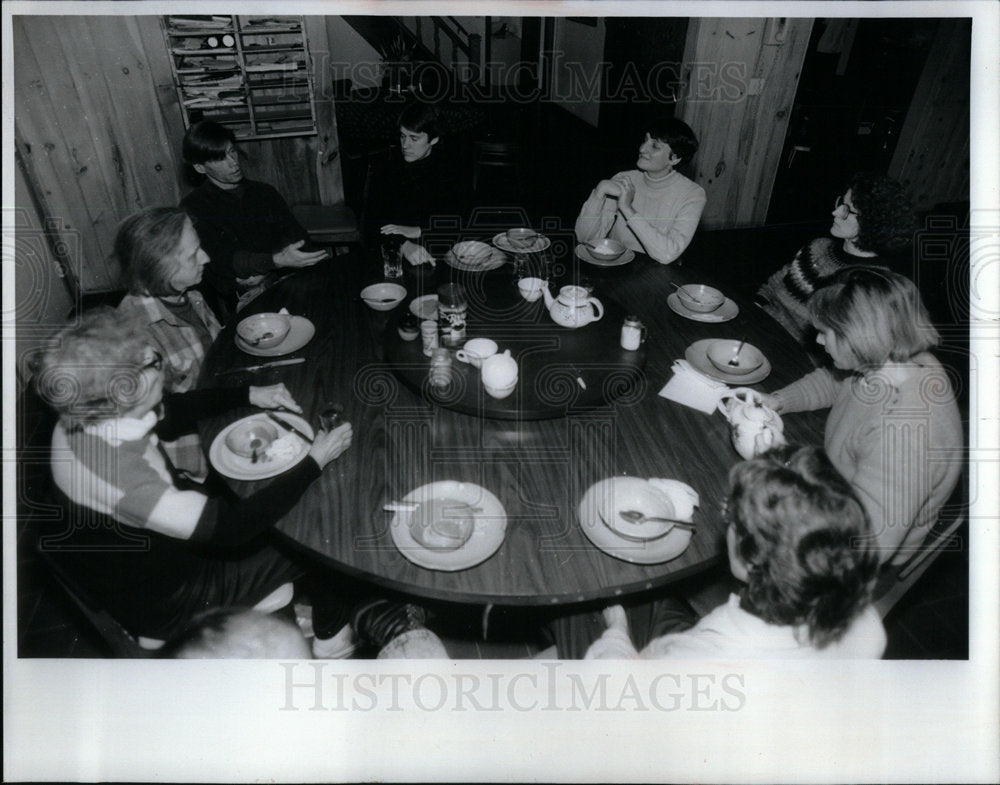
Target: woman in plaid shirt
162,260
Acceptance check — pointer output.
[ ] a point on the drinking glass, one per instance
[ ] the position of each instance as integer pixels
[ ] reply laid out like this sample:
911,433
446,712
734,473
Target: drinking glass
331,416
392,258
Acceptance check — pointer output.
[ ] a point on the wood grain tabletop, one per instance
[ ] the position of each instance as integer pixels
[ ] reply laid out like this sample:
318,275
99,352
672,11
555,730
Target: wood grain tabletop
539,469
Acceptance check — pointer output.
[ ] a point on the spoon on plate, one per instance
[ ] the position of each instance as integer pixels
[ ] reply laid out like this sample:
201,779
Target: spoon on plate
412,506
734,361
634,516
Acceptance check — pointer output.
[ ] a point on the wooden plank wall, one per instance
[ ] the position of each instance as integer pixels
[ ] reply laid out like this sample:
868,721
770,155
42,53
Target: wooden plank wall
932,156
99,130
742,76
89,130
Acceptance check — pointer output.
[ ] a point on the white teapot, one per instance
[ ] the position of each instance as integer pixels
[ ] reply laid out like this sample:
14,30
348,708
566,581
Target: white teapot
573,307
756,427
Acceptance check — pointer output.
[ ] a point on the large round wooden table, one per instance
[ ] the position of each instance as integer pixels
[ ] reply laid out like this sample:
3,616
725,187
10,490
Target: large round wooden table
538,469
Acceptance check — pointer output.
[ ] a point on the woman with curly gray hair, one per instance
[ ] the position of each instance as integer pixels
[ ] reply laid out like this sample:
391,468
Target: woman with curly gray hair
872,219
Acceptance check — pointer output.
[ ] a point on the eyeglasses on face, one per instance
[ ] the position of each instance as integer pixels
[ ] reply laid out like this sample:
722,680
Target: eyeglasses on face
840,203
156,363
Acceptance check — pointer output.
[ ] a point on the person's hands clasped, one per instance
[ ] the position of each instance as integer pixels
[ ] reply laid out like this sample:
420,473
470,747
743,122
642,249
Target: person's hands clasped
274,396
292,256
626,194
329,445
607,188
409,232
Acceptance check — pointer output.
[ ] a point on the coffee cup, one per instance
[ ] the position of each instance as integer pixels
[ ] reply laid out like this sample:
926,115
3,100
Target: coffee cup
530,288
476,351
499,374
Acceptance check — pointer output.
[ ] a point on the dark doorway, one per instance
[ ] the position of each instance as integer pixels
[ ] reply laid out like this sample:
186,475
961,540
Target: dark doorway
856,86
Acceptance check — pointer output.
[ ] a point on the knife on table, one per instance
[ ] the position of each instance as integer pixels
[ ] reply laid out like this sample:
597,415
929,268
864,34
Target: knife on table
262,366
289,427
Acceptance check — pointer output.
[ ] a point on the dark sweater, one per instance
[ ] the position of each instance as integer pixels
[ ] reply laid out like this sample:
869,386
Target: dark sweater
414,194
240,230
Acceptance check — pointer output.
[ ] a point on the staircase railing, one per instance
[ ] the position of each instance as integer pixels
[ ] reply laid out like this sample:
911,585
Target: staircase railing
456,40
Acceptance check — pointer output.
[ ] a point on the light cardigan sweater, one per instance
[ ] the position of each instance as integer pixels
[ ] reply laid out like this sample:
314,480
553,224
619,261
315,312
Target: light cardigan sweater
729,632
896,436
667,215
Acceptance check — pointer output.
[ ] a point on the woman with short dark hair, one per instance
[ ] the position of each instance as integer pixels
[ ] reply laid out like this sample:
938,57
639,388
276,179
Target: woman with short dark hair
873,220
894,429
800,541
652,208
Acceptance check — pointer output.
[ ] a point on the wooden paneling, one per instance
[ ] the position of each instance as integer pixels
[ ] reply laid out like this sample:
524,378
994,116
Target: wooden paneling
932,156
97,124
741,77
89,129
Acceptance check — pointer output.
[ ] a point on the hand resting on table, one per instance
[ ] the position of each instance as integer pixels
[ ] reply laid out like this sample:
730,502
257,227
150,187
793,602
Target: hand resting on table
328,445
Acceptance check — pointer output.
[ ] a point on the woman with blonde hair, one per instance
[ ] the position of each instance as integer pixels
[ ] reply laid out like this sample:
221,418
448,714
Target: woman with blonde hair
894,429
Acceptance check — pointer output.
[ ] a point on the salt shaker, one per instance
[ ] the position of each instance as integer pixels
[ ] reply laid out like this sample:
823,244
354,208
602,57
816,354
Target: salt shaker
429,334
633,333
440,367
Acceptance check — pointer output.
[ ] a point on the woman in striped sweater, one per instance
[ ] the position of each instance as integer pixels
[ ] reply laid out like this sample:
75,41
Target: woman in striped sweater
872,222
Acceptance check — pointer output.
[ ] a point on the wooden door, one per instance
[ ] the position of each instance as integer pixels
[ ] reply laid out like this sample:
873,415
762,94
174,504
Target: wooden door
741,76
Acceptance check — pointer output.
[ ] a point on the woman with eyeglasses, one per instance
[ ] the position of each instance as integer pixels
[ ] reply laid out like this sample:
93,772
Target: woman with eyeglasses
798,541
168,548
872,222
894,429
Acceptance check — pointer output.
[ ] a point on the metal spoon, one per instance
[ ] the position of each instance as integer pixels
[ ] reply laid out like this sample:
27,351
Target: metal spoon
687,294
634,516
734,360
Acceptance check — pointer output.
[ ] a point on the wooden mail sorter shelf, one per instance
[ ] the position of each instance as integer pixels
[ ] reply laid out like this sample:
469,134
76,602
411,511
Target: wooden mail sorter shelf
250,73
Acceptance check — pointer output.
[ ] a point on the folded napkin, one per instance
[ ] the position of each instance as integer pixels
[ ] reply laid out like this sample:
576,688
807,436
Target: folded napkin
693,388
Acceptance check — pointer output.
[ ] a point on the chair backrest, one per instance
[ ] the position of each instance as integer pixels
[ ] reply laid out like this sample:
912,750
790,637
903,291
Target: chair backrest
943,537
117,638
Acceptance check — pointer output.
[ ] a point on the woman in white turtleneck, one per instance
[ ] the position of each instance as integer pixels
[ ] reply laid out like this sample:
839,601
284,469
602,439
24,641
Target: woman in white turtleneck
653,208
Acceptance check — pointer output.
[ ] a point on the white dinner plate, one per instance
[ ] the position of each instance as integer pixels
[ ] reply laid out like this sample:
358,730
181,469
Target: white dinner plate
491,262
540,243
600,498
228,463
584,253
697,355
487,534
425,307
728,310
299,334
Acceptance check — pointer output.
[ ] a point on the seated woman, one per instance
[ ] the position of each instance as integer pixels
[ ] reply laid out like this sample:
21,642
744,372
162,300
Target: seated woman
652,208
166,548
799,539
413,189
162,261
872,222
894,429
245,226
